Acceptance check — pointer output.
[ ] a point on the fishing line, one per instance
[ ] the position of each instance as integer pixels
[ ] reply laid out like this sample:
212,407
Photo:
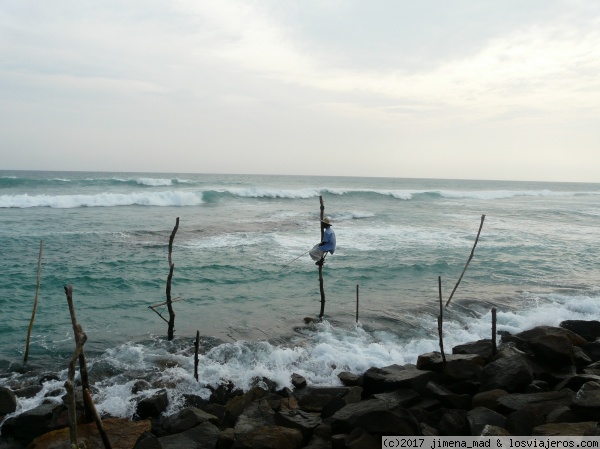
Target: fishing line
293,261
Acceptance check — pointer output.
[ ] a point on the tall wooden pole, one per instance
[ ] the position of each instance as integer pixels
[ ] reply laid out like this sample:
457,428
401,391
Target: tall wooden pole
35,302
321,287
171,326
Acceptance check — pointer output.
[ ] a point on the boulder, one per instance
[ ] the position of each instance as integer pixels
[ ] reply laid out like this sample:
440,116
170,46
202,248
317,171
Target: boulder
298,419
454,423
482,348
544,331
522,421
188,418
563,429
236,405
404,397
494,431
202,436
479,417
298,381
153,406
511,374
576,382
8,401
562,414
553,350
488,399
258,414
592,350
594,369
337,402
586,402
357,439
544,402
28,391
314,399
393,377
350,379
459,367
35,422
140,385
446,397
376,417
269,437
590,330
147,440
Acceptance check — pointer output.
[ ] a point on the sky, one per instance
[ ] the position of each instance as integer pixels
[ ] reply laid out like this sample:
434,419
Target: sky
465,89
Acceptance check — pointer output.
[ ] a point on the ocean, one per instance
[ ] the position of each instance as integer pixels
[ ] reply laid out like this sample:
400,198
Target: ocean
242,277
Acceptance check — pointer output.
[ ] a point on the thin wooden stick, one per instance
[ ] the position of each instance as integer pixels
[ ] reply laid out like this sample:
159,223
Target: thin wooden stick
494,348
171,326
196,347
468,261
83,371
441,322
87,398
35,302
80,339
357,303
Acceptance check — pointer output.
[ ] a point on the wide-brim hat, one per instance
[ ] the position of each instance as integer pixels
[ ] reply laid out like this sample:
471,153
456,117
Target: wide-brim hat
326,221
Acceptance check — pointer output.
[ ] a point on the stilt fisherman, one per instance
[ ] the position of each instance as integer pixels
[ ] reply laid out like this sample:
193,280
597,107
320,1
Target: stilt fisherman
320,250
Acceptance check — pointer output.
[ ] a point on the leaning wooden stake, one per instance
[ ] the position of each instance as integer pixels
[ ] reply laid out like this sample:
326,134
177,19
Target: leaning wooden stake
321,287
494,348
35,302
171,326
357,303
80,339
196,347
87,399
441,322
89,408
468,261
83,371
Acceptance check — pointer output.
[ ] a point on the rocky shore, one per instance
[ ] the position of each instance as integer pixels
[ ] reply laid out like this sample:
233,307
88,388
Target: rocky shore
541,382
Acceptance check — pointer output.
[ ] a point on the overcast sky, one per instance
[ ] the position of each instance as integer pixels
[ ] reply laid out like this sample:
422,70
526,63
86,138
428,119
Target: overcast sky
431,88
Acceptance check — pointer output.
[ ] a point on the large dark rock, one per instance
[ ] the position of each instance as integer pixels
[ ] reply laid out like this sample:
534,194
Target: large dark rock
544,331
593,369
592,350
35,422
482,348
8,401
298,419
544,402
337,402
479,417
590,330
298,381
315,399
576,382
376,417
357,439
563,429
393,377
28,391
258,414
446,397
269,437
511,374
522,421
236,405
459,367
154,405
188,418
404,397
488,399
202,436
553,350
350,379
586,402
147,440
454,423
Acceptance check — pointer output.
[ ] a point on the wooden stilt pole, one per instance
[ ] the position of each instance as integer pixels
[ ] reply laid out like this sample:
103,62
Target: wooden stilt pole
357,303
321,287
196,347
494,348
87,398
441,322
468,261
171,326
35,302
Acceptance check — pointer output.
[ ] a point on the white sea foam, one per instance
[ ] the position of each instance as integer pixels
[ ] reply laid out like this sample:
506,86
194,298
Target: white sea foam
253,192
166,198
154,182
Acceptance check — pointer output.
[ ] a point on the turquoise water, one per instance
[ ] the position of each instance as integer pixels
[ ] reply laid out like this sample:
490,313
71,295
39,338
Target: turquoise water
107,234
